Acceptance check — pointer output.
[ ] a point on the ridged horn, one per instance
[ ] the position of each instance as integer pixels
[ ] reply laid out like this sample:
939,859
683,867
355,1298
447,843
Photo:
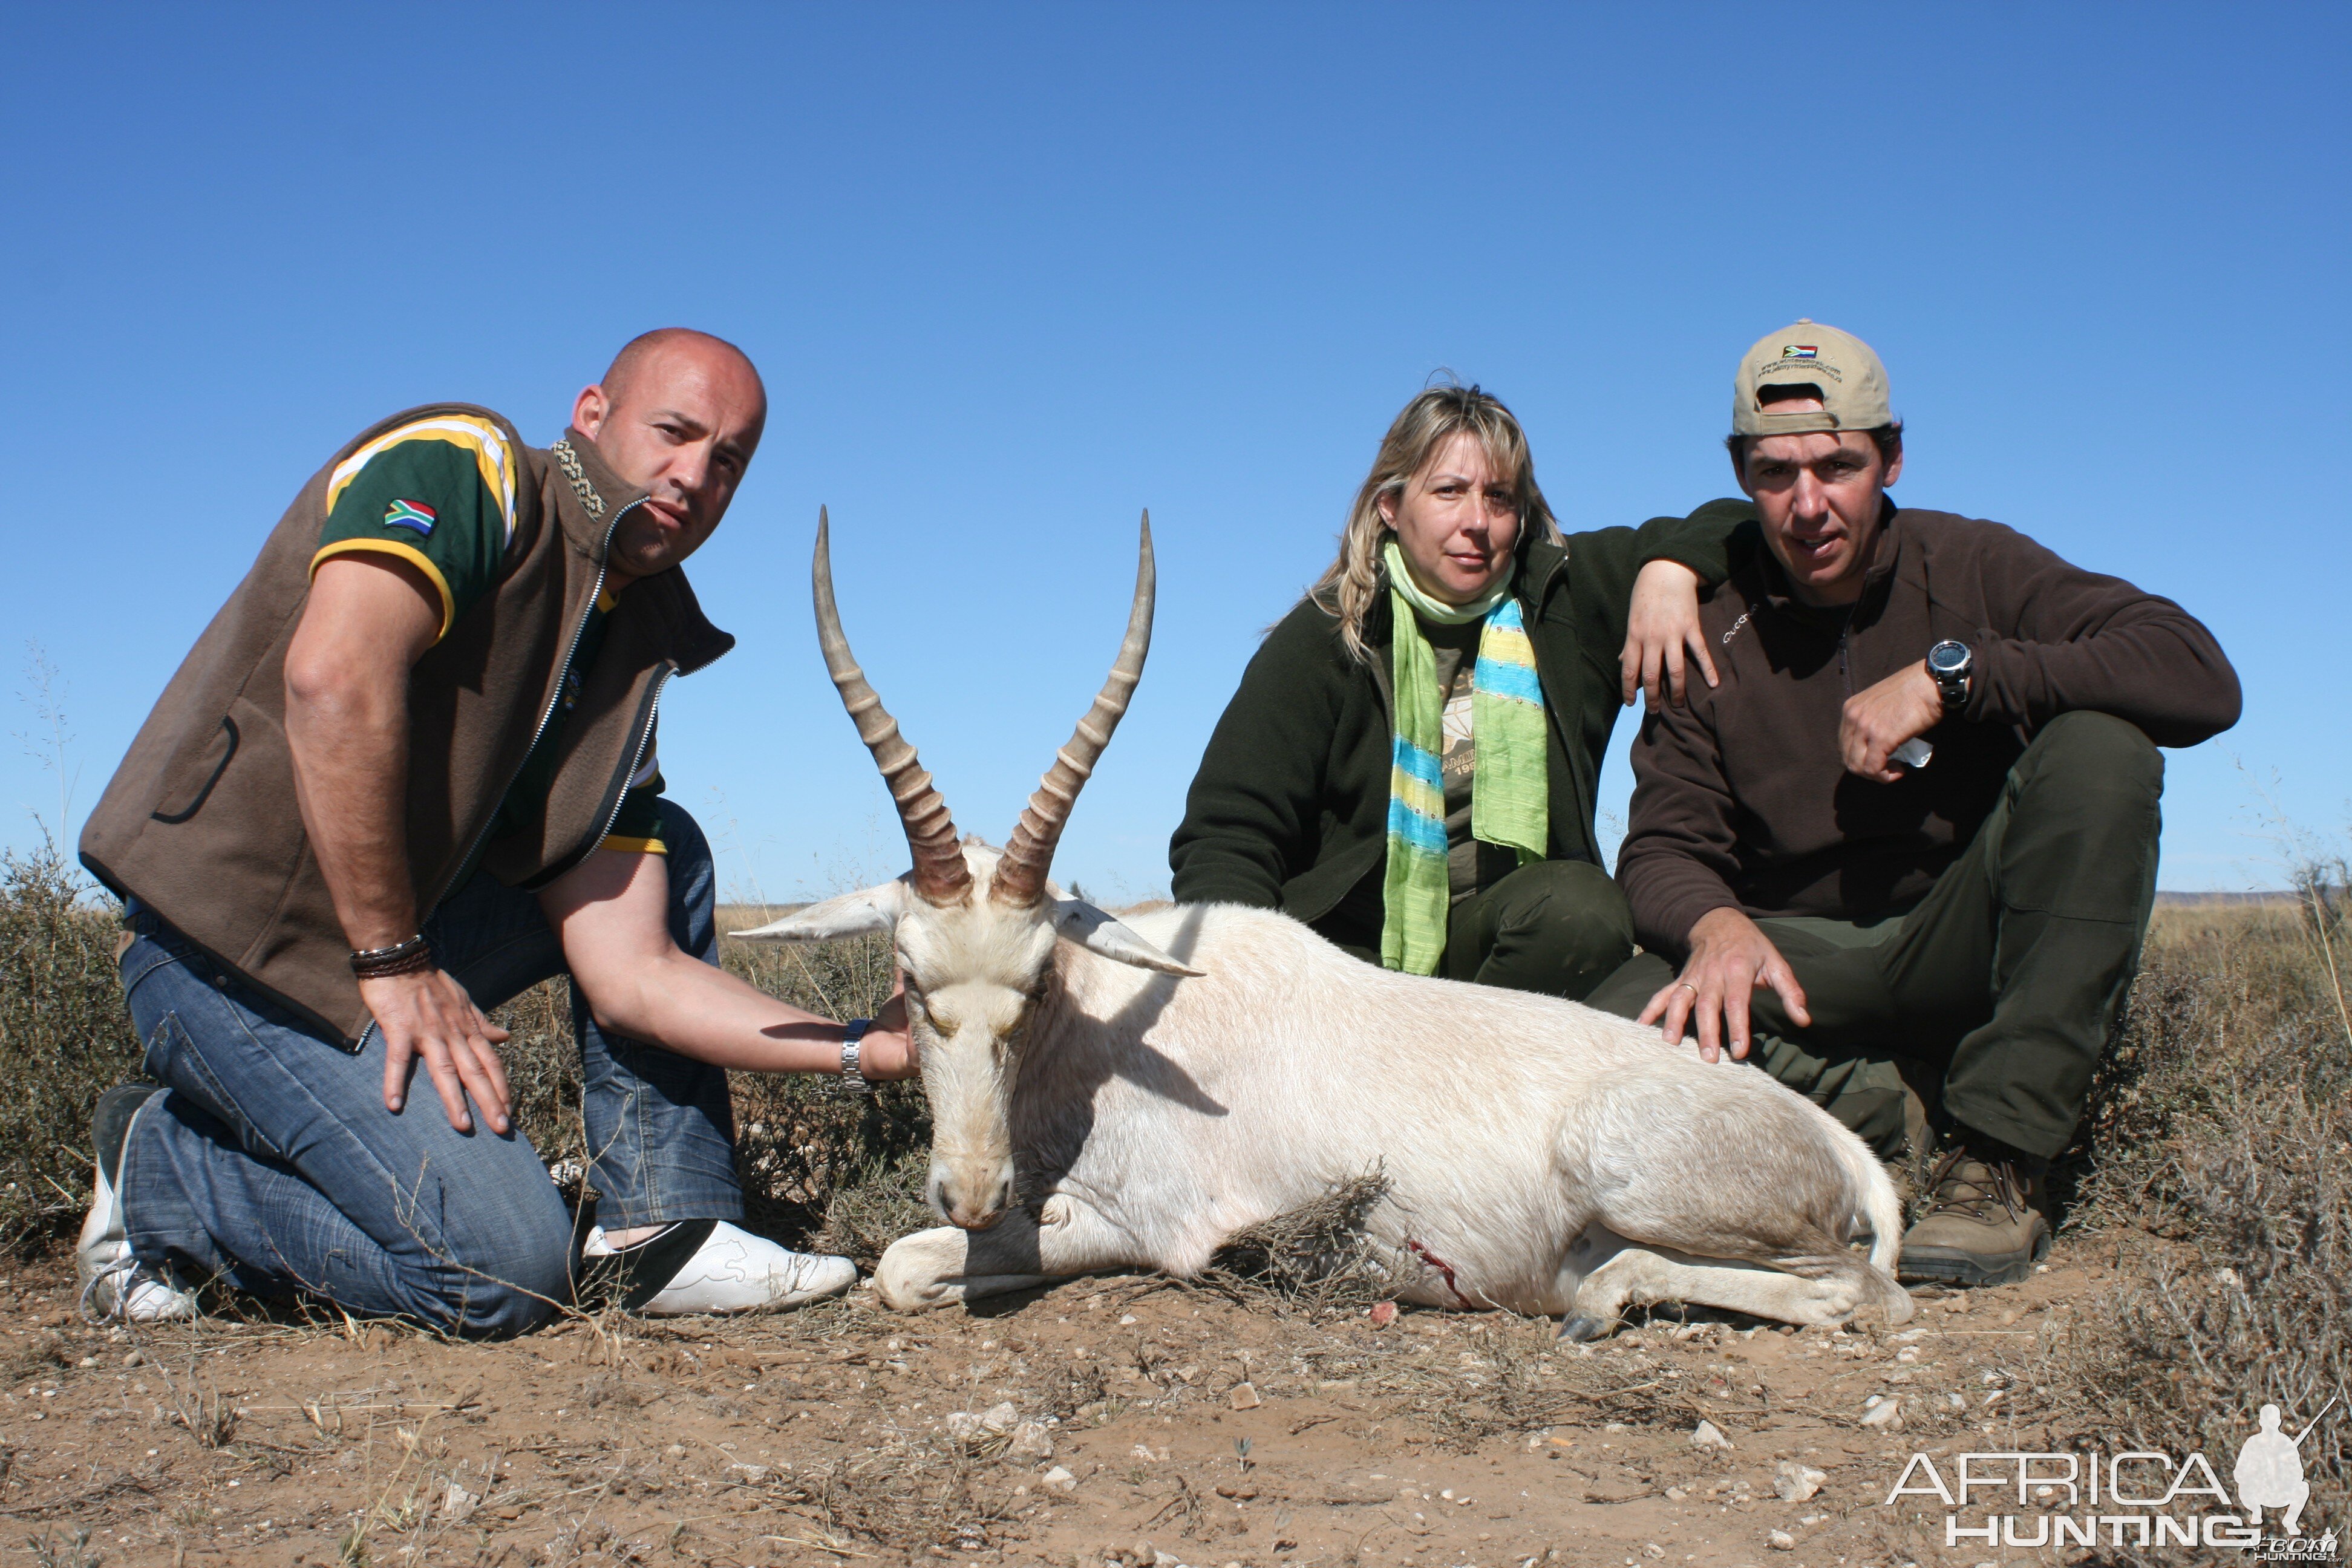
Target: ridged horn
1021,874
940,875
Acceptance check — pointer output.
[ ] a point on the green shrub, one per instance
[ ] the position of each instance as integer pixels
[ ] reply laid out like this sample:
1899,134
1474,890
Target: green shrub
65,1039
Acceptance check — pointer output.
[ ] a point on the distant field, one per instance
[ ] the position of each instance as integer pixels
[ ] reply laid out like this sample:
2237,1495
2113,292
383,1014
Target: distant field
2264,896
2188,918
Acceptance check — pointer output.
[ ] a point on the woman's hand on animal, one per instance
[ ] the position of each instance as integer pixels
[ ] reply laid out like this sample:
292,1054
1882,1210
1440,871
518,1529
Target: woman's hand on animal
1731,957
1662,626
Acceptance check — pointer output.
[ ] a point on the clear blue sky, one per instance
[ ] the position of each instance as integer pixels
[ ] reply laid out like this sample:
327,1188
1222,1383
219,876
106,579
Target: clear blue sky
1016,273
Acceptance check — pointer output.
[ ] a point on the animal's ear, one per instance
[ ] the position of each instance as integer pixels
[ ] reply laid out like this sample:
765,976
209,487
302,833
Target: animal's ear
1097,930
851,914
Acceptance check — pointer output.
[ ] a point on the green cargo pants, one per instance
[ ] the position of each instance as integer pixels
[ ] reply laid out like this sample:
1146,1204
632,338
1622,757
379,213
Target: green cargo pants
1559,927
1996,994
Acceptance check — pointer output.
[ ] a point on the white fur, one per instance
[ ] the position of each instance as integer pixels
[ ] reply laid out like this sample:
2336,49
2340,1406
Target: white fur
1092,1114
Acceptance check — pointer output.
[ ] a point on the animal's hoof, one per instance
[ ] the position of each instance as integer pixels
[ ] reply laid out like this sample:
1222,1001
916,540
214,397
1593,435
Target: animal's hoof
1583,1328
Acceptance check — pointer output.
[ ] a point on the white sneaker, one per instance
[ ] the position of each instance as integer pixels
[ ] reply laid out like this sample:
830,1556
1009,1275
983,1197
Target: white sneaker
727,1271
115,1285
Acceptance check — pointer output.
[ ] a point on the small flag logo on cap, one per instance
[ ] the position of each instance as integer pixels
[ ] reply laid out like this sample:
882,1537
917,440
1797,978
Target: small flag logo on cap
1842,372
413,514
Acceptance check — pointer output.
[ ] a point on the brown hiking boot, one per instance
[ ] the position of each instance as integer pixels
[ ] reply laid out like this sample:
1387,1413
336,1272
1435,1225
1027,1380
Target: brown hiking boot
1983,1225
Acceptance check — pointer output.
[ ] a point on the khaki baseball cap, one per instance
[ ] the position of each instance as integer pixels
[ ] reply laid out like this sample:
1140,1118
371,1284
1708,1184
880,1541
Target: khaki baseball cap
1852,382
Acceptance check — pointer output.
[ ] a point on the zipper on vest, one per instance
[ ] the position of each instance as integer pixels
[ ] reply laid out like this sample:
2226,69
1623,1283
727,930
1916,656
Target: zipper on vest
636,757
630,762
571,652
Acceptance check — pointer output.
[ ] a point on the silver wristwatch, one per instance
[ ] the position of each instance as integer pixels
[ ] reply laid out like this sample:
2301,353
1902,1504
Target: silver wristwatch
853,1078
1951,664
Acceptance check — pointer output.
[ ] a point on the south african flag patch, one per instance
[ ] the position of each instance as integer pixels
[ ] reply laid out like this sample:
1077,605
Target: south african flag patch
413,514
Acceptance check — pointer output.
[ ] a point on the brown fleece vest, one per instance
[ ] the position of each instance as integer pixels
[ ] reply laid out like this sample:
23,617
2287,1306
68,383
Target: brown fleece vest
200,824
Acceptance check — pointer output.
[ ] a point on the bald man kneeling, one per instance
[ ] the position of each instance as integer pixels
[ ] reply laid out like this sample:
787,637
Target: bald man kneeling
408,771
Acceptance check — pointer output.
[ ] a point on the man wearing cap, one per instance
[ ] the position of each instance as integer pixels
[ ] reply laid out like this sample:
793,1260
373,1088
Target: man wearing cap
1906,850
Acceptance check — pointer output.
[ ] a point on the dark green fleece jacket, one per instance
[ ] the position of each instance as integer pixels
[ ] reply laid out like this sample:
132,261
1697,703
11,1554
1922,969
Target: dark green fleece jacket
1290,808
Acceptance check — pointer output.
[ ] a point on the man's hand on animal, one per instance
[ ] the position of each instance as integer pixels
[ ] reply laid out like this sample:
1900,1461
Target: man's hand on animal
1660,626
1731,957
611,915
1874,722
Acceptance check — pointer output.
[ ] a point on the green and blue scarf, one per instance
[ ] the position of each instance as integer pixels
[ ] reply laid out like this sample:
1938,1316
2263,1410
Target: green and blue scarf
1510,790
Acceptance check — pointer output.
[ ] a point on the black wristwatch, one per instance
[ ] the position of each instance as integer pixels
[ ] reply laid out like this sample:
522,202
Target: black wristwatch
1951,663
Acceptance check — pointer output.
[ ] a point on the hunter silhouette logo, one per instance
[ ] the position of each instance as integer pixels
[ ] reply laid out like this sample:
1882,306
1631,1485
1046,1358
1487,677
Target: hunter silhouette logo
2270,1471
2137,1499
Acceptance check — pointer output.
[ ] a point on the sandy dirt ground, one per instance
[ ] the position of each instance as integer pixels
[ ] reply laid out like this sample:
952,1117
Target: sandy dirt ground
1105,1420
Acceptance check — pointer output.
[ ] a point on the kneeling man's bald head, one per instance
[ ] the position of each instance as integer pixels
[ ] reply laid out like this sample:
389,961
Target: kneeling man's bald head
678,414
668,349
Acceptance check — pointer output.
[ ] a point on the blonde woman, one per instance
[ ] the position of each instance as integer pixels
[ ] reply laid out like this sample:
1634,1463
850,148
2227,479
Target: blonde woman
1410,762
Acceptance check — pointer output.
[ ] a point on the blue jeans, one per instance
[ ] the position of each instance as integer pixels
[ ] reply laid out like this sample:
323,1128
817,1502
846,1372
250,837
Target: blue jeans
273,1165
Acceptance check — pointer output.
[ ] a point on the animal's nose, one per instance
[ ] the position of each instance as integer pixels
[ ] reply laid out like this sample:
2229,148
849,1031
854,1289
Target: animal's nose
970,1204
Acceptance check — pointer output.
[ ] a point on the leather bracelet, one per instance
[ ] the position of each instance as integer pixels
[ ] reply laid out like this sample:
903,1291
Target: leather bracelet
408,957
853,1076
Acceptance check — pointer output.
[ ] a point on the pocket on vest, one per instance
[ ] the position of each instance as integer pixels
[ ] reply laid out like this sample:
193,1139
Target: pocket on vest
188,782
243,826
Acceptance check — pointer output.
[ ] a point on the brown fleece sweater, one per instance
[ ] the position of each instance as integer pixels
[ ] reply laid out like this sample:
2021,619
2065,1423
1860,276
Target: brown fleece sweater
1741,799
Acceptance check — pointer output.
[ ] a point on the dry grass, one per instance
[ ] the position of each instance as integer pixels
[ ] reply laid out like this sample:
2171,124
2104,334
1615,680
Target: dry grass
1320,1257
2214,1165
65,1039
845,1169
1515,1377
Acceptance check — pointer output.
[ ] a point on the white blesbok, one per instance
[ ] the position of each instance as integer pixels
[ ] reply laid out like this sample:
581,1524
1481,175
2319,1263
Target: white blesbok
1110,1094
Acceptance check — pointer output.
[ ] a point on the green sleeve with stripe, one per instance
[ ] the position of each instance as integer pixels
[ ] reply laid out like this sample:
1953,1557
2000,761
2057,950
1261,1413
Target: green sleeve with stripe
424,500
